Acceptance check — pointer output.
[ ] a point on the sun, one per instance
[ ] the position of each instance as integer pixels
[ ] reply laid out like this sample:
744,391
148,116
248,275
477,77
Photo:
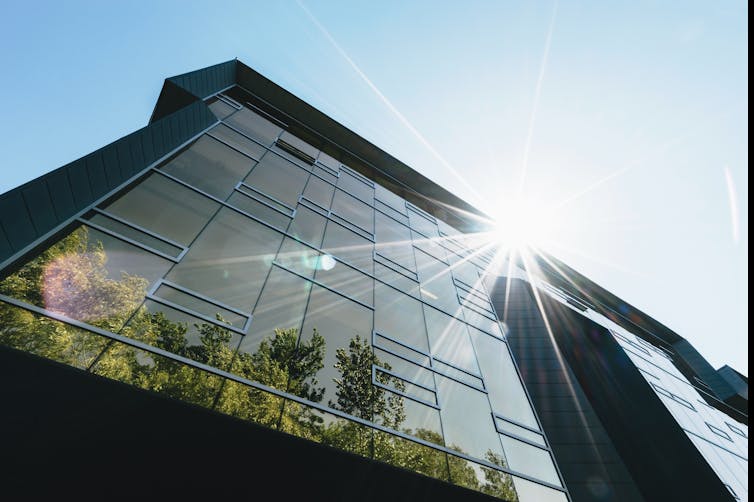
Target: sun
521,223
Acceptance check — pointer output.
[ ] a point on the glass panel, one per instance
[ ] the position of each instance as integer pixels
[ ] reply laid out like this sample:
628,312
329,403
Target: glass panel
220,109
505,426
403,453
256,208
467,273
40,335
299,144
348,246
449,340
529,491
224,316
248,403
396,348
331,430
404,387
297,157
182,334
452,372
353,210
299,258
483,323
230,260
89,276
405,369
389,211
166,208
396,280
390,199
345,279
355,186
430,246
530,460
239,141
506,392
279,178
482,479
447,229
319,191
339,329
255,126
136,235
437,286
268,353
158,374
467,421
422,224
394,241
399,317
308,226
326,175
328,161
210,166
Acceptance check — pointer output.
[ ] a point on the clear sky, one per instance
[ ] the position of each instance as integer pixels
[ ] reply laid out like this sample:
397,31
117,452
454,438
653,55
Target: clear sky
623,123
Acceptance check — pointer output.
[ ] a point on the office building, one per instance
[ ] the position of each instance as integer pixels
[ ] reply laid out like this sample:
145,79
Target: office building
245,295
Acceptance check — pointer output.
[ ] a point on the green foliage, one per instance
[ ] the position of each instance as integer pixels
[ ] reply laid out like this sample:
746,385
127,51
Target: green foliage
355,392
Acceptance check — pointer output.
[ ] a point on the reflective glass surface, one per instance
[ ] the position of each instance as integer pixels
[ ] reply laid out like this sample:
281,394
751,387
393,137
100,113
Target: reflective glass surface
238,141
210,166
255,126
166,208
230,260
279,178
289,301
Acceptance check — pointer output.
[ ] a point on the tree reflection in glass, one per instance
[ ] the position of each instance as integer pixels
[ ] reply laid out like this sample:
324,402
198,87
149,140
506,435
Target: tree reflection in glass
73,278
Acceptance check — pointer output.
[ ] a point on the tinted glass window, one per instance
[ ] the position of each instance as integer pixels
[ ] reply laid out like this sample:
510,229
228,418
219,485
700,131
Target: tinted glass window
505,389
399,317
353,210
165,207
279,178
229,260
210,166
349,246
344,327
238,140
255,126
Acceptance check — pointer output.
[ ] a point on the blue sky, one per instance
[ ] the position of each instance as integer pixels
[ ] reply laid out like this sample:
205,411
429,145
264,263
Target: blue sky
623,123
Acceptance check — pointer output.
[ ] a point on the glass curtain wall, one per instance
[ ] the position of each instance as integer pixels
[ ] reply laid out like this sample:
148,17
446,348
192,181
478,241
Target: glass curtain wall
255,275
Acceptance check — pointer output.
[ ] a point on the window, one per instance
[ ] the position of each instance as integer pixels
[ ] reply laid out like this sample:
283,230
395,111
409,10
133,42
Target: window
670,395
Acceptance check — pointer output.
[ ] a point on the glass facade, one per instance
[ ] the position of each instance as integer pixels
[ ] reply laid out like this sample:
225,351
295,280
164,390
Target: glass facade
252,274
721,440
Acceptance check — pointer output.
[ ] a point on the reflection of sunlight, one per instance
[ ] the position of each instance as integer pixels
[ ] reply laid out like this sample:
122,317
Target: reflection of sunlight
326,262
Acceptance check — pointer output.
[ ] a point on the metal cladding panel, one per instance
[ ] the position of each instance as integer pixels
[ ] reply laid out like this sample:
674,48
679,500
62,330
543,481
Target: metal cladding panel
147,146
5,248
207,81
96,170
79,180
30,211
703,369
612,395
136,152
60,193
15,219
40,205
580,444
